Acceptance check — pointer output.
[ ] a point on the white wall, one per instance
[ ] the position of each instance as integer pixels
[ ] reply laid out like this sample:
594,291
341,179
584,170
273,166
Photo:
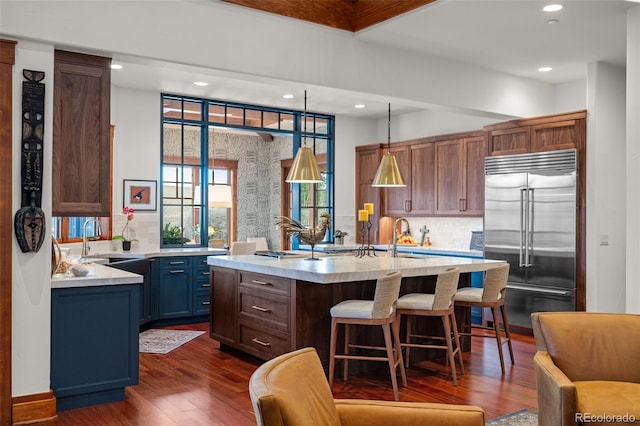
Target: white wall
571,96
633,161
430,123
606,182
31,272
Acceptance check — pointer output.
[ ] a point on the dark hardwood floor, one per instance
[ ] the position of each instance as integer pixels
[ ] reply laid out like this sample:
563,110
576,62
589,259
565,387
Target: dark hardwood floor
198,384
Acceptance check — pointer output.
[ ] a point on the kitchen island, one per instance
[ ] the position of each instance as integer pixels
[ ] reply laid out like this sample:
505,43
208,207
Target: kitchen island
267,306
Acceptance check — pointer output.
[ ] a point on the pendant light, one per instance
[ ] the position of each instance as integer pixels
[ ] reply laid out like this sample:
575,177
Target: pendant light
388,173
304,168
218,195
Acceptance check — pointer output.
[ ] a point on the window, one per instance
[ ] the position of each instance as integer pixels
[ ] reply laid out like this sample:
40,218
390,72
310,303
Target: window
194,130
70,229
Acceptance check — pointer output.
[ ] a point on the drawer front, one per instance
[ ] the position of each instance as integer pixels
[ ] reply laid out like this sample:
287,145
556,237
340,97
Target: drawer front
263,344
264,308
267,283
201,278
176,262
199,261
201,302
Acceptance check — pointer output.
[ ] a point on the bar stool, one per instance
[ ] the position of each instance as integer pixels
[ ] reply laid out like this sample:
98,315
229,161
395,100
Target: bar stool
491,295
242,247
438,304
379,311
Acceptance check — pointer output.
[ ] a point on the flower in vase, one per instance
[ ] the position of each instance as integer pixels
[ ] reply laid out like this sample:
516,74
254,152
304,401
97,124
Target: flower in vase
124,235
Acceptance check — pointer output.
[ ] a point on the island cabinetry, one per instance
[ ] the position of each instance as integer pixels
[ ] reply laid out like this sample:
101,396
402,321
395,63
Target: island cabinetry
416,163
539,134
459,176
81,163
224,301
264,314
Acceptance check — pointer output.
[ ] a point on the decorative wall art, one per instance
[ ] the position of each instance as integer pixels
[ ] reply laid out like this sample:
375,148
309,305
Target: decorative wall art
30,222
140,195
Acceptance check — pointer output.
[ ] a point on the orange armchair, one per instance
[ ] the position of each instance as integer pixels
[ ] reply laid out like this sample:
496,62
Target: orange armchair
292,389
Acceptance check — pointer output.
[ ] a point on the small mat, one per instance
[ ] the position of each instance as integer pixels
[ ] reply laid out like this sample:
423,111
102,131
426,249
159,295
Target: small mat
161,341
519,418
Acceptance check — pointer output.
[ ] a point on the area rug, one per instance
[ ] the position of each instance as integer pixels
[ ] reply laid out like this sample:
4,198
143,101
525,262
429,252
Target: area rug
162,341
519,418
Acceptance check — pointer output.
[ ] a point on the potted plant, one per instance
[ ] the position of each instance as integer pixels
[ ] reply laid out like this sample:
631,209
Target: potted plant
172,234
339,236
124,234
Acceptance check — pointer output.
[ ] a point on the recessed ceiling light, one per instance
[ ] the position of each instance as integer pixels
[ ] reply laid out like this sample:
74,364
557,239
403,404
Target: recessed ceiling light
359,106
116,66
200,83
552,21
288,96
545,69
552,7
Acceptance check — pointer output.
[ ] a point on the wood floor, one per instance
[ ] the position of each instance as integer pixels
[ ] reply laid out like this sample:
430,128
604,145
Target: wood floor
197,384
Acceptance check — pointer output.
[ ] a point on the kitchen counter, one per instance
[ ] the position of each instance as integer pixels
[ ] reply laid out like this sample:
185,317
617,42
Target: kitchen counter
436,251
349,268
149,253
98,275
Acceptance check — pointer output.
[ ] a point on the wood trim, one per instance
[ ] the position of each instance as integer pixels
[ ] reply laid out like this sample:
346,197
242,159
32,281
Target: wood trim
7,60
34,408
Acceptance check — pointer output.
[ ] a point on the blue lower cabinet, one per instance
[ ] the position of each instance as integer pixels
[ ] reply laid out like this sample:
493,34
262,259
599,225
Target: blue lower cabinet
182,288
94,343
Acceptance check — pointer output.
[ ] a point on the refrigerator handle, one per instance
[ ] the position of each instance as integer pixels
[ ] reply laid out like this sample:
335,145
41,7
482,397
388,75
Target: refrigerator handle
522,228
530,215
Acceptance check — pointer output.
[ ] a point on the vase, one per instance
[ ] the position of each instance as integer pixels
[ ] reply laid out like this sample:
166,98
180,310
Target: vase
339,240
126,245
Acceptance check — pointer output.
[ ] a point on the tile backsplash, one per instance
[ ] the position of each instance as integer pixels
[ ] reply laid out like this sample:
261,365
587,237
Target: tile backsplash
447,233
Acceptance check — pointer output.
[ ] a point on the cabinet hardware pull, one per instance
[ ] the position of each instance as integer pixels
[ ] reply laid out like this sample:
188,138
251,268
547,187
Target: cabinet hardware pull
206,285
260,308
176,262
206,273
260,282
206,303
464,204
177,271
260,342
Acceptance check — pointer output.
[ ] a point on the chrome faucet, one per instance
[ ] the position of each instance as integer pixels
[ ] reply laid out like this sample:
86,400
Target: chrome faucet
85,244
394,252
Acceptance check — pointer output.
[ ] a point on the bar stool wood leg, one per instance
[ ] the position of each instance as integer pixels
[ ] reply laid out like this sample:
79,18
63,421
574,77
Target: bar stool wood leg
391,359
452,362
332,350
505,323
395,328
345,365
496,327
456,338
408,340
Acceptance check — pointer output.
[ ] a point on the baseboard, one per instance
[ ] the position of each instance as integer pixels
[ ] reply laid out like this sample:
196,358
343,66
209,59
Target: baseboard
34,408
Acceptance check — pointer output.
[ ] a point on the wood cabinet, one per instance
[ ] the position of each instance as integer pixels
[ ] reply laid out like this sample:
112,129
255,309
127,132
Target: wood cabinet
224,301
459,176
367,161
547,133
81,168
416,163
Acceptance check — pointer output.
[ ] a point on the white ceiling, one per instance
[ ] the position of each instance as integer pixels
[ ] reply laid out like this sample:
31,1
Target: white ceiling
510,36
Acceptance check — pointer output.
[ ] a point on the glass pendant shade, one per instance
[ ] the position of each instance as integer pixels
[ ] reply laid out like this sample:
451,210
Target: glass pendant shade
304,168
388,173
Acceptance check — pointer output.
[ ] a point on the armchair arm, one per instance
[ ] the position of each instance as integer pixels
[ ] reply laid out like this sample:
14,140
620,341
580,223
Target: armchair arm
358,412
556,393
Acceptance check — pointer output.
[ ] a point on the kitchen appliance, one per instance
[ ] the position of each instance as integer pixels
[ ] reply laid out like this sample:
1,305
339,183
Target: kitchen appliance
530,221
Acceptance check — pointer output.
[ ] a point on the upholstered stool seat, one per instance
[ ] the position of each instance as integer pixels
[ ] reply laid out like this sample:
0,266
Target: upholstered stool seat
438,304
379,311
471,294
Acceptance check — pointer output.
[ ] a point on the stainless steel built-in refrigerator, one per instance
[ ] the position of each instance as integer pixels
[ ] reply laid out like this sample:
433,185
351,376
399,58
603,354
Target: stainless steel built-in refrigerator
530,221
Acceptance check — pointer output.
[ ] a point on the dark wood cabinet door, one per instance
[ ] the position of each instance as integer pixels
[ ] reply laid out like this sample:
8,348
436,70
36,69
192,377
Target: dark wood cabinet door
367,161
509,141
422,179
398,200
81,169
224,306
450,164
475,151
552,136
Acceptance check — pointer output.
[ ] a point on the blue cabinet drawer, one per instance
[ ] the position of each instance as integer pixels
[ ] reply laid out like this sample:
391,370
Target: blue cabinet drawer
174,262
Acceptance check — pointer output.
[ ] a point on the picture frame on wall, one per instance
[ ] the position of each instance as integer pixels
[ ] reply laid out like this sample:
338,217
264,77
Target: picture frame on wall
140,195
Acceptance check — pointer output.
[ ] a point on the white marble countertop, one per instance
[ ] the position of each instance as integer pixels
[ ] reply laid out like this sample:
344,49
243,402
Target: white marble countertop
98,275
347,267
438,251
165,252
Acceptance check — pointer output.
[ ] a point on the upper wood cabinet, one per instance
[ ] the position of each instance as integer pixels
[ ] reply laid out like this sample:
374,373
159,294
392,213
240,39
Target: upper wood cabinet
416,163
547,133
459,176
367,161
81,167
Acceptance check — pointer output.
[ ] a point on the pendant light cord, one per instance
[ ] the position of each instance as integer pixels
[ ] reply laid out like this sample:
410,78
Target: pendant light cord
304,117
389,131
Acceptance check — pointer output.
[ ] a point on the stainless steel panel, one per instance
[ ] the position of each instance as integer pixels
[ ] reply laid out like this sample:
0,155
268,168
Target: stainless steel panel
521,301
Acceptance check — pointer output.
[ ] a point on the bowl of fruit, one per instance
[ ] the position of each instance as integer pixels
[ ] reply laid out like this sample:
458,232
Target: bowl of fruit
406,240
